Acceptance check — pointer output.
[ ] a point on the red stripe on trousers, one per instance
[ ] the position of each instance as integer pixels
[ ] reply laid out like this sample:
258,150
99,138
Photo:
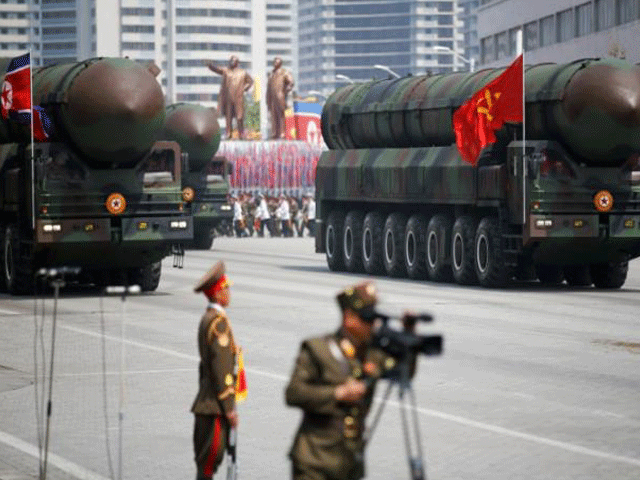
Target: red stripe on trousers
213,449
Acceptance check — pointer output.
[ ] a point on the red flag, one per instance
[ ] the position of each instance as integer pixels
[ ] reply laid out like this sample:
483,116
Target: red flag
497,103
241,379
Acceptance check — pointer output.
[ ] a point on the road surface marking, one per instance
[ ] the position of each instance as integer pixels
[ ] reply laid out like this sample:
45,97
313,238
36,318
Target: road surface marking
424,411
60,463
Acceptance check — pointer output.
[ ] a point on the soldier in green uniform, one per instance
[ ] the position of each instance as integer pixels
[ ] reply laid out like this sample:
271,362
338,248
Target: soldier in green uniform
214,406
333,382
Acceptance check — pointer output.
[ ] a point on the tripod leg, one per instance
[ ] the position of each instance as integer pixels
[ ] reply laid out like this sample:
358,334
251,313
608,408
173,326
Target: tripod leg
415,461
366,436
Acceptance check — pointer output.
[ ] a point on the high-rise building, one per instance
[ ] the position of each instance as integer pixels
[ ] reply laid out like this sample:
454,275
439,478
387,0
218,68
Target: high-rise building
469,19
349,38
558,30
180,36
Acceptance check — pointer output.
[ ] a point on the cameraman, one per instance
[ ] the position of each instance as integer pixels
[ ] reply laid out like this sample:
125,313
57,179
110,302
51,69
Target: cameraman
334,382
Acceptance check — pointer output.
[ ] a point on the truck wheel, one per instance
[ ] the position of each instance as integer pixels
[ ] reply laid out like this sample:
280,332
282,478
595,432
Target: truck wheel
490,268
372,243
352,241
578,275
609,275
393,245
462,251
148,277
333,240
438,249
415,248
17,271
549,274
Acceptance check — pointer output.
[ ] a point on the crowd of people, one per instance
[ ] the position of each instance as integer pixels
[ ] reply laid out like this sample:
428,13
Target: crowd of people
283,216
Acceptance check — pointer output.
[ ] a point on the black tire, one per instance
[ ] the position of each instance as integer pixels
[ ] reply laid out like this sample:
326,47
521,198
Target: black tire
393,245
372,228
17,267
415,250
147,277
489,255
578,275
549,274
352,241
463,251
438,249
609,275
3,285
333,240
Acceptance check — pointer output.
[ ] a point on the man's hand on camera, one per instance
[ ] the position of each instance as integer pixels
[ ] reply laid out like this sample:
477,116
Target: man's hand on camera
351,391
232,418
409,321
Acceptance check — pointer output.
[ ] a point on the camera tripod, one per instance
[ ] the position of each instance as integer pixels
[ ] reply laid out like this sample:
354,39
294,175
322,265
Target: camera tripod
407,401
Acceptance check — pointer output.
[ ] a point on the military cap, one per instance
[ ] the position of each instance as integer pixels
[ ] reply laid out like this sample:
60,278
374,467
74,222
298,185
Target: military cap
362,299
211,277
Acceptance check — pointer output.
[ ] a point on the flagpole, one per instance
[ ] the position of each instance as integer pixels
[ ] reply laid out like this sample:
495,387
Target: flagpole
520,48
33,159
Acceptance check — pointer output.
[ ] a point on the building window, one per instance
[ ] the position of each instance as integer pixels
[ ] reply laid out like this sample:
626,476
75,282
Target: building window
531,36
584,19
488,52
548,31
628,10
513,40
605,14
566,26
502,45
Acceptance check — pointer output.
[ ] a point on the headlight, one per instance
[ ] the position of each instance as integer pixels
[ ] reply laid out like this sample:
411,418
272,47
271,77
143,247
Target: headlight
52,227
178,224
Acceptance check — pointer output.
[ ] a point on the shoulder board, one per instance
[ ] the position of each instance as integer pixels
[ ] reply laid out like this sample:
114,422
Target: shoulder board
219,326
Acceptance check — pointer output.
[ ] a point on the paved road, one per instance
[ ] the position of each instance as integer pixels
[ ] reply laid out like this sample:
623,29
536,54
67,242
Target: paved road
535,383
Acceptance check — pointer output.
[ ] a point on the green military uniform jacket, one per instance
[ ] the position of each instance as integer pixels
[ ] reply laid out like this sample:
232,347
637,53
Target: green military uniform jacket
216,394
330,435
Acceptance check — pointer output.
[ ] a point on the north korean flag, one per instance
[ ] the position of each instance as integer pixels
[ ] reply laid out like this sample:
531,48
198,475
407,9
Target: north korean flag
307,121
16,88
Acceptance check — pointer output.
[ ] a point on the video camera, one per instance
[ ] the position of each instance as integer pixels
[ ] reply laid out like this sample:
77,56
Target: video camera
405,345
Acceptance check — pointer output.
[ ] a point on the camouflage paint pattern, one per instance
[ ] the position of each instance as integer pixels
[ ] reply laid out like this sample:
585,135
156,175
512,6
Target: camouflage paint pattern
72,195
109,109
392,149
197,131
584,104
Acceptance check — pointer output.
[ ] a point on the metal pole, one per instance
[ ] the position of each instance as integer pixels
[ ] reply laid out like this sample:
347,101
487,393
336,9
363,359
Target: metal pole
56,285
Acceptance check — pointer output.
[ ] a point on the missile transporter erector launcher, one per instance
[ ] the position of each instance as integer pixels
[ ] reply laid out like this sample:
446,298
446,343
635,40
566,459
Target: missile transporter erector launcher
102,194
394,195
205,177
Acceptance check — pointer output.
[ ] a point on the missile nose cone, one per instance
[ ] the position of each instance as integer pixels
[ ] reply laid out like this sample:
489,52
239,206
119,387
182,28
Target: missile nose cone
613,90
127,91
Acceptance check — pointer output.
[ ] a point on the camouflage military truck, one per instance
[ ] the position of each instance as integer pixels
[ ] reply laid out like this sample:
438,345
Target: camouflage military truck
101,194
395,197
205,179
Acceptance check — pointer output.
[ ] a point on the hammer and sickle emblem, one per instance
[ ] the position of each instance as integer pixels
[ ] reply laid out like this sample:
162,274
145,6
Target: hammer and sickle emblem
488,98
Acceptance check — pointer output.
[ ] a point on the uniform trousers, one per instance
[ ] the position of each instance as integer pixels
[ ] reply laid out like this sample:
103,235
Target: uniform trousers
210,435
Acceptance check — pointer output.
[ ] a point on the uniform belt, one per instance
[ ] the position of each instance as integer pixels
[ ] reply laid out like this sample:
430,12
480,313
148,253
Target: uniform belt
346,424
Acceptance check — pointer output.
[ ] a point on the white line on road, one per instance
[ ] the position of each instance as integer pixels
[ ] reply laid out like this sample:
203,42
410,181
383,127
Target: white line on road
60,463
4,311
424,411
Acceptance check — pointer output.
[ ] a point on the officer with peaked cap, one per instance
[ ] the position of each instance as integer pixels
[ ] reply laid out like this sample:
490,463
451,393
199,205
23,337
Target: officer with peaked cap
333,382
214,406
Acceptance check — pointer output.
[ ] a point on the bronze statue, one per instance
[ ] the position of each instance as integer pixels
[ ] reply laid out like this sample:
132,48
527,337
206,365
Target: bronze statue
235,81
280,83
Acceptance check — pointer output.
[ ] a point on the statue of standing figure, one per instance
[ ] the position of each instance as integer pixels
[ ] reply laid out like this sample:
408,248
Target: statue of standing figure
279,85
235,82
